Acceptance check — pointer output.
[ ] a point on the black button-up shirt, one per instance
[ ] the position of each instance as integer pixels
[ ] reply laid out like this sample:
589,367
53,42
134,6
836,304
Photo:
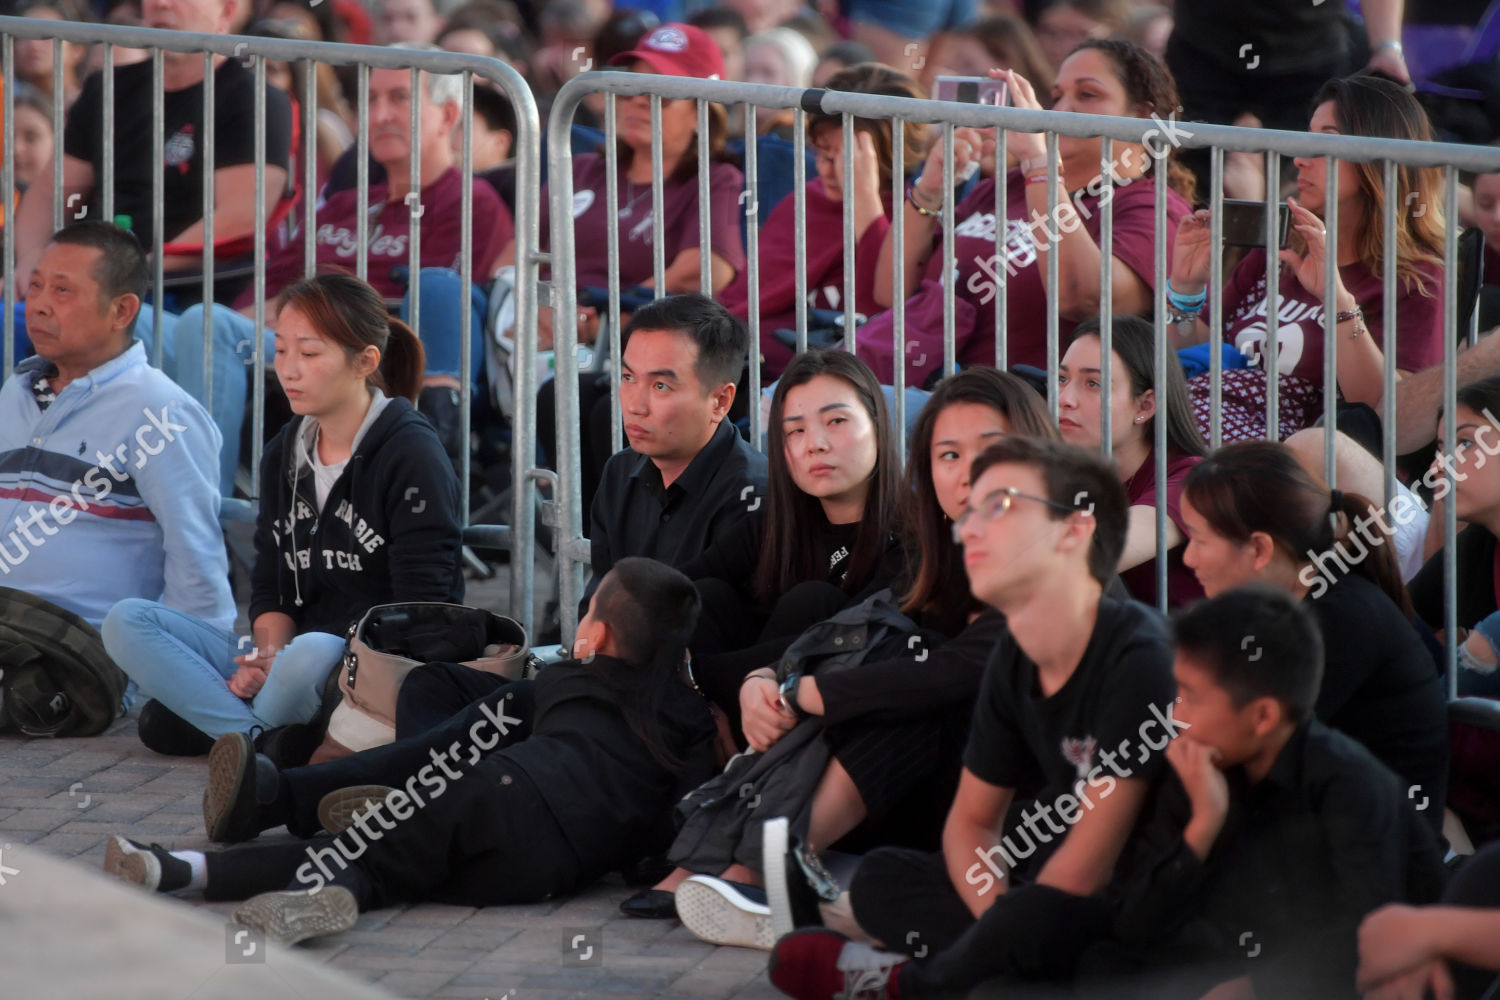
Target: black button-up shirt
634,515
1326,837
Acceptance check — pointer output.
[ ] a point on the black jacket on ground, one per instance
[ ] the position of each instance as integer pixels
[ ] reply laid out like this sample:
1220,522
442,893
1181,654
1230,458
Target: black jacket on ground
389,531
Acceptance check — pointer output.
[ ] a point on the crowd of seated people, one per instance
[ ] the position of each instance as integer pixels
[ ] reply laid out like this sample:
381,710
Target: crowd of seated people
984,762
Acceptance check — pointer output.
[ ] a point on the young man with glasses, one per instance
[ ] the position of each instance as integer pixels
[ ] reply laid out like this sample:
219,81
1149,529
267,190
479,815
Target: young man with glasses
1069,731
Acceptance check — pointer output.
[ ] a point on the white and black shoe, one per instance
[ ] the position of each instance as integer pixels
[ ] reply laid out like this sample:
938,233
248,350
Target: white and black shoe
151,866
796,881
722,912
290,917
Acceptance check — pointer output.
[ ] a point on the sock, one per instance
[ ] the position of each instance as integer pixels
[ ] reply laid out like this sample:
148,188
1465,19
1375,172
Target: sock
195,878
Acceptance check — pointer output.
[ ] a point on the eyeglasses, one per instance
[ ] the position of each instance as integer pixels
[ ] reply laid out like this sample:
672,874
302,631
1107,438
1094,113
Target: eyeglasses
996,505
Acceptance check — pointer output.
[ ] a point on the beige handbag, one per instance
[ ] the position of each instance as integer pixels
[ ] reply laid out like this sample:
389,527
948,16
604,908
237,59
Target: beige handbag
379,655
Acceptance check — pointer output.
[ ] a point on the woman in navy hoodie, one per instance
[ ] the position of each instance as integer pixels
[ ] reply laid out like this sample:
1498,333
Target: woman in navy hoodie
359,507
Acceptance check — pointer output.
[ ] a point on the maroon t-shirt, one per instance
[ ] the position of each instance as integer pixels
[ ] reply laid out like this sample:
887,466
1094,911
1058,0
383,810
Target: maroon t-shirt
635,223
978,271
1140,491
1299,337
389,235
825,270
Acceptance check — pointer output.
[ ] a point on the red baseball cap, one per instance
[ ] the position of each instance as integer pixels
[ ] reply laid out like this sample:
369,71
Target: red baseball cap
677,50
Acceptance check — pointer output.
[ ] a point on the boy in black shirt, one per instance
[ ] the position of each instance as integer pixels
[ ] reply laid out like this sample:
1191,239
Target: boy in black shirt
1073,714
534,791
1274,835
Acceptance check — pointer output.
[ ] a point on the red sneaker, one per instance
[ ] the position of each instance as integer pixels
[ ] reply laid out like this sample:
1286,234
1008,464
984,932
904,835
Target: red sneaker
819,964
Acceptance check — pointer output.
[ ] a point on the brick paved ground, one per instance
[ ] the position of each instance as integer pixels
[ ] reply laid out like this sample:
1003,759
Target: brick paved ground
66,796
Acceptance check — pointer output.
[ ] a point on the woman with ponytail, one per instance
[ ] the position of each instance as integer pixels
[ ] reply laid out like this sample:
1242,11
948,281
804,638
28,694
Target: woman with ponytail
360,507
1254,515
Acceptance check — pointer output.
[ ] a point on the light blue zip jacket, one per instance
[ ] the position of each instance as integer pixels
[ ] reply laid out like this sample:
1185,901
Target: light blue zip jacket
112,492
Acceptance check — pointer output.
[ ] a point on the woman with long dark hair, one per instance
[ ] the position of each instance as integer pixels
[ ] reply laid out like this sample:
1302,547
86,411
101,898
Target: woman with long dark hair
360,508
1356,105
1100,77
1254,515
1134,410
895,727
824,535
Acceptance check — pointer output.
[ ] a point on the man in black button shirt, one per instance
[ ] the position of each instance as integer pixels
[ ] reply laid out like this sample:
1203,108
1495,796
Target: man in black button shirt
82,145
1072,716
1275,835
687,476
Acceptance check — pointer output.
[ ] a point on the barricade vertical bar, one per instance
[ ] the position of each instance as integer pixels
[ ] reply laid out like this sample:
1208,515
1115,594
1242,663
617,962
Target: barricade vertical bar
949,327
1216,298
564,292
612,251
414,211
1052,277
1450,396
799,218
849,239
57,129
309,168
210,132
1002,255
258,369
158,196
1107,299
1271,347
705,241
523,421
1163,358
465,285
898,275
752,262
8,198
362,175
658,203
1330,313
1389,334
107,146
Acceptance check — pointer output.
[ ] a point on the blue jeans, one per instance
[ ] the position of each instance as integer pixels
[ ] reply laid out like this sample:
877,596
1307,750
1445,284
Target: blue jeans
442,320
185,664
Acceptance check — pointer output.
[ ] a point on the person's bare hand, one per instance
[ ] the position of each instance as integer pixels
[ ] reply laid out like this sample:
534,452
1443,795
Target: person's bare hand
763,719
1392,942
1392,63
1197,767
1309,265
1428,980
1022,145
250,678
968,147
1191,253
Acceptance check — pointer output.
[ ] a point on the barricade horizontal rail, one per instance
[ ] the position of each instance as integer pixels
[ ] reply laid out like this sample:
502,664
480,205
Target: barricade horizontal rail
1156,135
253,53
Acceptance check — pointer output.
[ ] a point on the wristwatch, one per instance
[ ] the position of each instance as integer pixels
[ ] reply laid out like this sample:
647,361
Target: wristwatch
788,690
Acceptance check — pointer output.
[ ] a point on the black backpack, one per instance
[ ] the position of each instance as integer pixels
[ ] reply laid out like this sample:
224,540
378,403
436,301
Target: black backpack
57,679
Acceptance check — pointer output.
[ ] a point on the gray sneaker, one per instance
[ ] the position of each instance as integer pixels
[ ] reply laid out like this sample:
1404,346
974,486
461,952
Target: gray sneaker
338,809
290,917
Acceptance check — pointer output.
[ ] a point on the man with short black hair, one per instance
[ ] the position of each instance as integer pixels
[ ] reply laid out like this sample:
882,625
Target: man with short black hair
108,470
1074,710
686,476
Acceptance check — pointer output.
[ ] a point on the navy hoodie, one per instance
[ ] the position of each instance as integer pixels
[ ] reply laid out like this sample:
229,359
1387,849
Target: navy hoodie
389,531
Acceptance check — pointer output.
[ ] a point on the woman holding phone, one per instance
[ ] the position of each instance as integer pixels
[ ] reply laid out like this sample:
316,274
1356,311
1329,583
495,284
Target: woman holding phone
1356,105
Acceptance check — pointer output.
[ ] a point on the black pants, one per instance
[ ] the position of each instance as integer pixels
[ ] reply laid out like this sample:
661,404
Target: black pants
733,637
1033,933
474,829
435,692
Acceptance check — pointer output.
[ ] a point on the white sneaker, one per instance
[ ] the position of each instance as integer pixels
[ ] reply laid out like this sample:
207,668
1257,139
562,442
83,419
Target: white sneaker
719,913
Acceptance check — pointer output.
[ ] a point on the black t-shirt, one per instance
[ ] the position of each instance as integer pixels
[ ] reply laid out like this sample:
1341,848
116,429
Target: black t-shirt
1264,38
1475,572
1380,687
1109,720
182,157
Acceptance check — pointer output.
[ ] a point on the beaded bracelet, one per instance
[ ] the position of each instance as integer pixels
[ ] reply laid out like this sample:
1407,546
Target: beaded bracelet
911,196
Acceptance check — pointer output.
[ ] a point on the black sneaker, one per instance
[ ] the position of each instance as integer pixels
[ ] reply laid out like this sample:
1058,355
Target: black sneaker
291,745
229,801
796,881
166,732
151,865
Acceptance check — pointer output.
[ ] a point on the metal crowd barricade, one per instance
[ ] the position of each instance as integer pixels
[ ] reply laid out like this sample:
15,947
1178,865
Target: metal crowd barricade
1156,134
519,536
